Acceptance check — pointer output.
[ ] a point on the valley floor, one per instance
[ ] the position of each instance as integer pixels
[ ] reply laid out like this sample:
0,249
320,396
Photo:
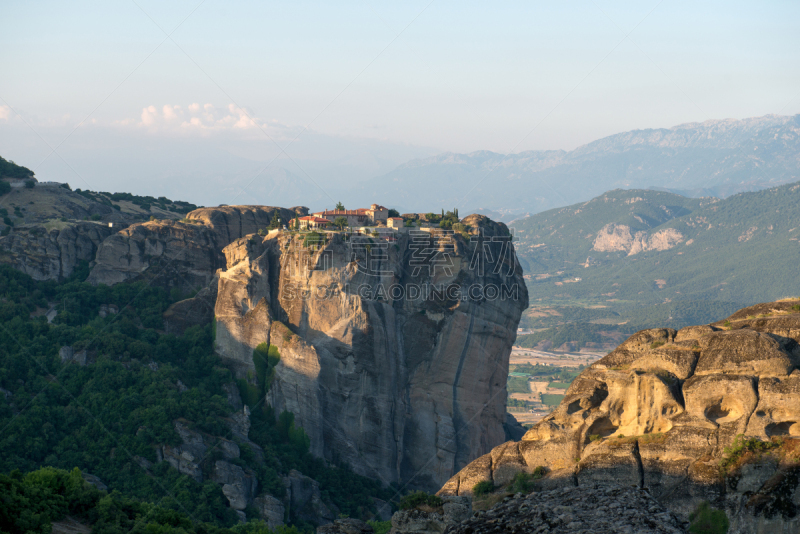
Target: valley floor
538,380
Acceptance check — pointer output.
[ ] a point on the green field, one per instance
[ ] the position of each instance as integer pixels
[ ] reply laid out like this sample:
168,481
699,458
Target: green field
518,384
558,385
551,400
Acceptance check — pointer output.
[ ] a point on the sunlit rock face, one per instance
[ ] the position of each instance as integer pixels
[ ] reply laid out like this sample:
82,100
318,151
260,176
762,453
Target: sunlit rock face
182,254
399,386
660,410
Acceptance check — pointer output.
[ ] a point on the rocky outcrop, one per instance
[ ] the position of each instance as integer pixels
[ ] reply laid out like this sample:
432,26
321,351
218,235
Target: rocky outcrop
594,509
659,412
346,526
304,499
238,485
402,382
180,254
270,510
427,520
52,253
198,310
619,238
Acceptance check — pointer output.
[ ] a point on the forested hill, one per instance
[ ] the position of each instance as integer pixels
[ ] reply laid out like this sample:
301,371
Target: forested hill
630,259
90,380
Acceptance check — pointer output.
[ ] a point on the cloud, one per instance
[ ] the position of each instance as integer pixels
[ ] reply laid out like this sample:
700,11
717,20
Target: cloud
5,112
205,118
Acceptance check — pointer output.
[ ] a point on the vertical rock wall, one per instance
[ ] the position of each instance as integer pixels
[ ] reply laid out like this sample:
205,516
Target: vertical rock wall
401,388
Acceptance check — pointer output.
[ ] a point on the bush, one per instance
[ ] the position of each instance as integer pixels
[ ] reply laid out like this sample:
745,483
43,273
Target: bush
30,184
419,498
707,520
482,488
95,217
656,344
742,446
539,472
521,483
5,187
595,437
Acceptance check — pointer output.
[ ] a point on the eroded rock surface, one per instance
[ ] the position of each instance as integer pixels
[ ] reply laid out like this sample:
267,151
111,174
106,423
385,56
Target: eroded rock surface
181,254
619,238
402,389
659,411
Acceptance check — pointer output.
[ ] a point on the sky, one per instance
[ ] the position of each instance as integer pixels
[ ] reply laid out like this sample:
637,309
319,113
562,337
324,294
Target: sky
177,97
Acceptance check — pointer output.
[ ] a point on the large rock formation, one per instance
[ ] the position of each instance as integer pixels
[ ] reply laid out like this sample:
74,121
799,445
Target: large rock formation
180,254
400,384
660,411
52,252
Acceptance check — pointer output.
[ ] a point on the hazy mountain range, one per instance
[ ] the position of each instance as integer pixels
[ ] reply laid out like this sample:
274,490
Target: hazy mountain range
712,158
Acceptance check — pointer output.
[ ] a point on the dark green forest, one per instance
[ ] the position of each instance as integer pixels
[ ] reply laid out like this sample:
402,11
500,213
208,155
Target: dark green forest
108,418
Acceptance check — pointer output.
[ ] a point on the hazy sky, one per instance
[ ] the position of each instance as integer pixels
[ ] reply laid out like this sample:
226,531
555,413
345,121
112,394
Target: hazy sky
375,83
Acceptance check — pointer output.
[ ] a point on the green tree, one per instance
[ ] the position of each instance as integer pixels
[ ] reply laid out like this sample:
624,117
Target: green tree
340,206
276,221
340,222
393,213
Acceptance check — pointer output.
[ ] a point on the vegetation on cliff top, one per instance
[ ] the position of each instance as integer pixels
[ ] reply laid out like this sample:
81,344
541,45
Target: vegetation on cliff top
9,169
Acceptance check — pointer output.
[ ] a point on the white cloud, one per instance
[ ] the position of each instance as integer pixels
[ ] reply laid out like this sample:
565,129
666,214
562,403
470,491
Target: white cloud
5,112
195,117
149,116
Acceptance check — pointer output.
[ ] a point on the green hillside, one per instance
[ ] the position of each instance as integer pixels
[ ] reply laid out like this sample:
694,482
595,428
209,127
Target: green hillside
726,254
110,418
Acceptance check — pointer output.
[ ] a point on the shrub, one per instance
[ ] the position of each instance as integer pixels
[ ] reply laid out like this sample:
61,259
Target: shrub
419,498
539,472
741,446
595,437
5,187
313,238
707,520
96,217
656,344
726,324
30,184
522,483
482,488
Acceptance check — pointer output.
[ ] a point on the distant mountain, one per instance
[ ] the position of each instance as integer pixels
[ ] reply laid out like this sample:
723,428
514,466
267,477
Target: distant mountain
643,257
712,158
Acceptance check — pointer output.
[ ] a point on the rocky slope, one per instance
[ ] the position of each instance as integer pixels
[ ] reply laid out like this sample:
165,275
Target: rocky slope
184,254
659,412
401,388
596,509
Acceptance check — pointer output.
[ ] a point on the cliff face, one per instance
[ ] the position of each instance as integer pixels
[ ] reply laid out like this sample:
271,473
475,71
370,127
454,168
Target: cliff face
184,254
403,388
52,253
659,412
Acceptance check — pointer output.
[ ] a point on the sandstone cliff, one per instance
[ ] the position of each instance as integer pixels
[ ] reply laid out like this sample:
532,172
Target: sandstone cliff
182,254
618,237
659,412
401,388
52,253
45,231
